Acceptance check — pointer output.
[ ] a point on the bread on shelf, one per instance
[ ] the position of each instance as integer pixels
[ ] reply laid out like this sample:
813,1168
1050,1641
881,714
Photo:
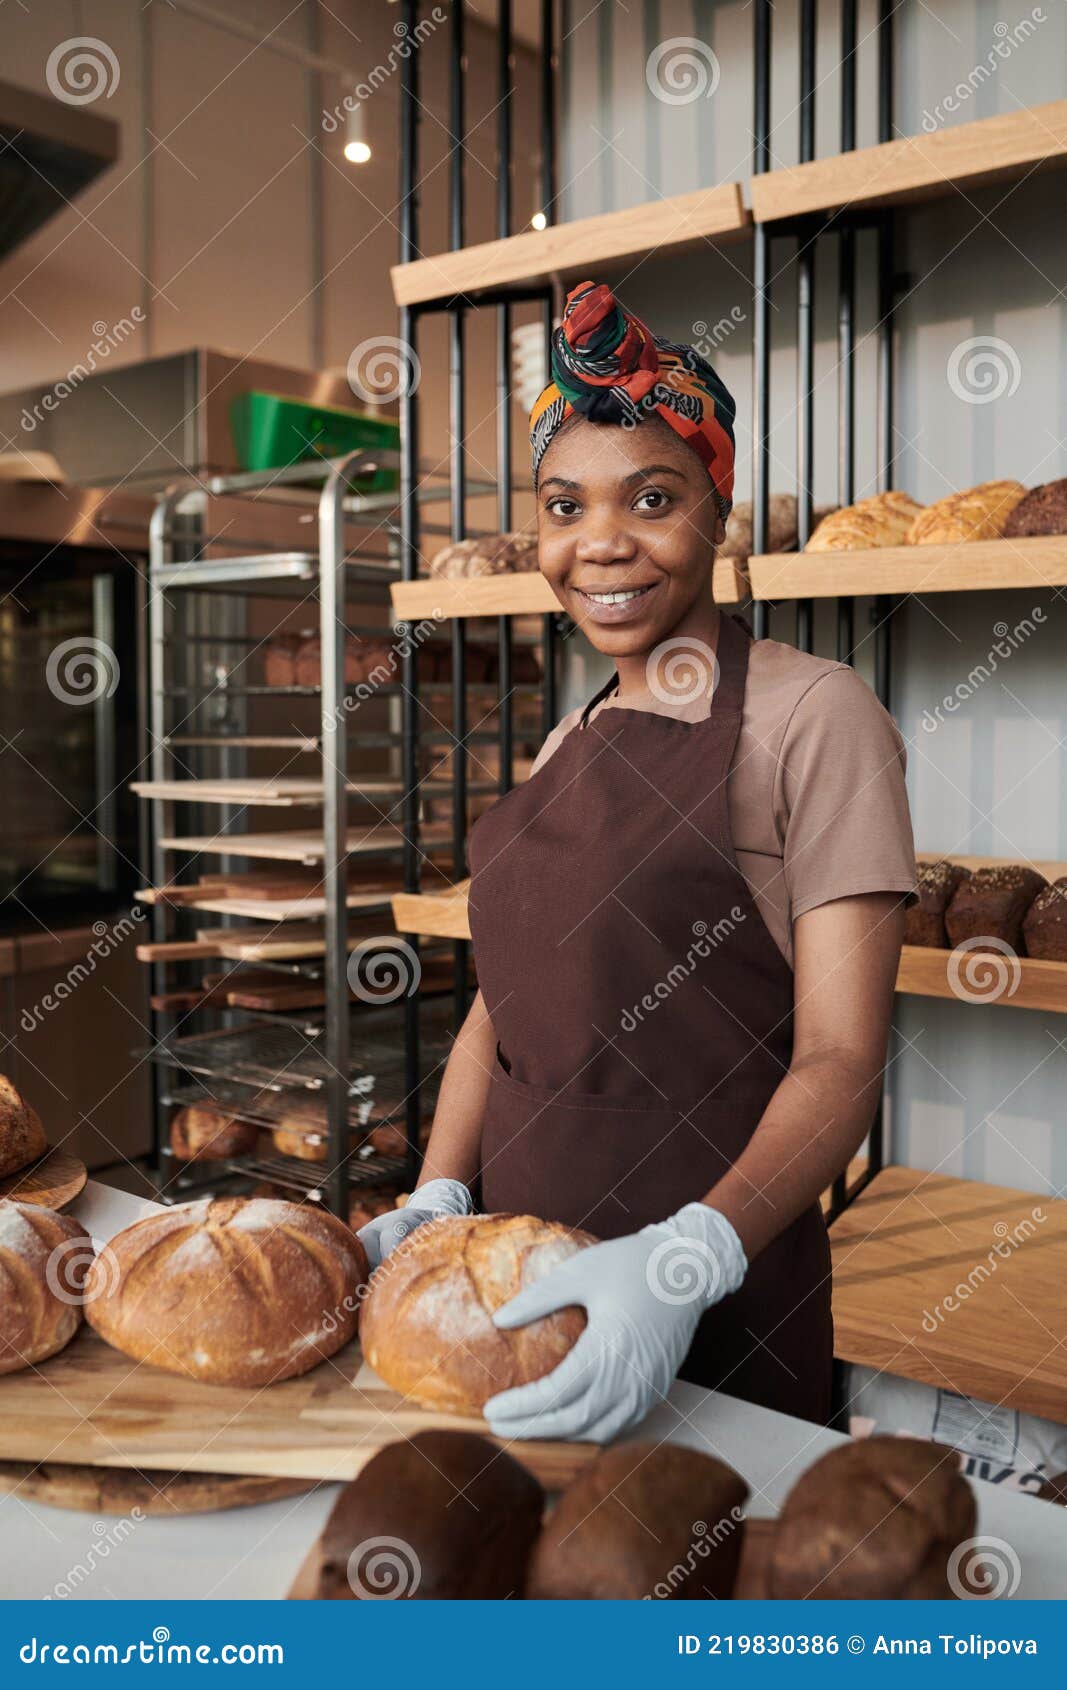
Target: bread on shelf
370,1201
427,1327
643,1520
1043,511
991,904
233,1290
442,1516
201,1134
44,1258
980,513
924,921
874,1518
493,554
22,1138
882,520
1045,924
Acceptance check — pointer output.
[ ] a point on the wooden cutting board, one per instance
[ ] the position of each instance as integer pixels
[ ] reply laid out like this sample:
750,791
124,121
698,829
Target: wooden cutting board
50,1183
119,1490
90,1405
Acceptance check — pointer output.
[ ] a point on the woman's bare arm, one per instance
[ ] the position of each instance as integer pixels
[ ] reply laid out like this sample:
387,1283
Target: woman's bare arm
845,961
455,1143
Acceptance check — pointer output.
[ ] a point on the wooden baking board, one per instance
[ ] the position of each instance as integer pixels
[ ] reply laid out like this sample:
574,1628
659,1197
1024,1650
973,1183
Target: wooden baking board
90,1405
302,845
49,1183
119,1490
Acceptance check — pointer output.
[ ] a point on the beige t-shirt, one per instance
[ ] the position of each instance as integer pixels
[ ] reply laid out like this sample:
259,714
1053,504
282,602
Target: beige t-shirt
817,801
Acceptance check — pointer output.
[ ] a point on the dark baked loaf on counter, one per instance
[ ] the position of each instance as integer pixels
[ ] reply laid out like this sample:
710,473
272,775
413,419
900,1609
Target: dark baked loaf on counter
1045,924
643,1520
875,1518
1042,511
445,1515
992,903
924,922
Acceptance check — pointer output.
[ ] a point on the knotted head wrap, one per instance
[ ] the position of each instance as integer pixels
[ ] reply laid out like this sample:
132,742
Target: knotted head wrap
607,366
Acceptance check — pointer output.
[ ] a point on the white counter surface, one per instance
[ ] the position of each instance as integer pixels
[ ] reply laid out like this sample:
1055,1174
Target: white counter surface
257,1551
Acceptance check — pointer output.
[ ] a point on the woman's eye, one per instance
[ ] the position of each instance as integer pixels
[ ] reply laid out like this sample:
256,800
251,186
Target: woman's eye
653,499
564,507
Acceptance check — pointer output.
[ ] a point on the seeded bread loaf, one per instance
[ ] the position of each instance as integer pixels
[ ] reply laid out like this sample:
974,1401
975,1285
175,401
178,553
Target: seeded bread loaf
992,903
924,921
427,1328
882,520
199,1134
44,1258
443,1516
234,1290
1045,924
22,1137
1043,511
981,513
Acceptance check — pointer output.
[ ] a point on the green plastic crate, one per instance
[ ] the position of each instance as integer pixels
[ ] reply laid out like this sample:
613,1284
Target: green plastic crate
271,431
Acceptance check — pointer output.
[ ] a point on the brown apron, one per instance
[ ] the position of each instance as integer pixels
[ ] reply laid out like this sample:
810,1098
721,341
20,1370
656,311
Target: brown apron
644,1016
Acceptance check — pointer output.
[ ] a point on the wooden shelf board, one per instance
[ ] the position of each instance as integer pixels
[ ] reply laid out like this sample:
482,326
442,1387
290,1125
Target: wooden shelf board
301,845
574,249
974,566
988,979
283,794
434,915
917,167
905,1245
525,594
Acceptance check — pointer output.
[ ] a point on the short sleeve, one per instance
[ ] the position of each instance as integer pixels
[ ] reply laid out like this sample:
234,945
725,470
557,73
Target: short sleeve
840,797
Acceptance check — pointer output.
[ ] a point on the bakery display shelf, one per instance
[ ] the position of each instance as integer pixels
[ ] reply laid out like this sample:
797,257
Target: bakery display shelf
917,167
267,1109
521,594
983,977
963,567
900,1252
433,915
308,1179
277,1058
673,225
268,575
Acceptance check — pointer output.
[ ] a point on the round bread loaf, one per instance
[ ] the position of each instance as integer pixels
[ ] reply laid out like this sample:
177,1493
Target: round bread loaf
1043,511
427,1327
44,1258
22,1137
882,520
305,1146
235,1290
207,1135
875,1518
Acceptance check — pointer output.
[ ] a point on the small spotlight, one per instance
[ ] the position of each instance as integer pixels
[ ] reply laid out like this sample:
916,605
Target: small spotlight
538,220
357,152
357,147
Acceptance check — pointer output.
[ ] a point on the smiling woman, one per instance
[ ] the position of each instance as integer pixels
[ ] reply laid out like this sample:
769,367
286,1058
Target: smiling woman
717,785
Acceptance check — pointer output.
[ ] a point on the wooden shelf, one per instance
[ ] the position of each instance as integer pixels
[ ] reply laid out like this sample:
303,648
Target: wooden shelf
919,167
902,1249
966,567
434,915
577,248
987,980
282,794
526,594
302,845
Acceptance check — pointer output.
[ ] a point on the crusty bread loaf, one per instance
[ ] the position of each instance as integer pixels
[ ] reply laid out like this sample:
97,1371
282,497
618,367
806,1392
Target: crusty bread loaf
44,1258
305,1146
22,1137
981,513
642,1520
781,527
495,554
882,520
1045,924
427,1326
1043,511
924,922
279,659
235,1290
874,1518
200,1134
361,658
443,1516
991,904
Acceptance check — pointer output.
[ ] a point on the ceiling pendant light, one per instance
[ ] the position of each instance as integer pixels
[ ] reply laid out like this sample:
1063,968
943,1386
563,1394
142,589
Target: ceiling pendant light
357,147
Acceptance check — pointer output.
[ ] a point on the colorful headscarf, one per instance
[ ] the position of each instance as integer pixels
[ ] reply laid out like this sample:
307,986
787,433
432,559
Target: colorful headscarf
607,366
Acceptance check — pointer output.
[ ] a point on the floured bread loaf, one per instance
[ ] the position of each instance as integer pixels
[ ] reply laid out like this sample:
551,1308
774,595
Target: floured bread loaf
882,520
44,1258
427,1326
496,554
235,1290
22,1137
981,513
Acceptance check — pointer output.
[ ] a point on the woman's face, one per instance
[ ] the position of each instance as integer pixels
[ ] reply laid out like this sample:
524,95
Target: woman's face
627,530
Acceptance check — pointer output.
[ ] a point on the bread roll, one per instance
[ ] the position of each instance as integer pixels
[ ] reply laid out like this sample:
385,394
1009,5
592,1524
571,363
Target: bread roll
427,1323
924,922
199,1134
875,1518
443,1516
991,904
1043,511
496,554
44,1258
882,520
981,513
1045,924
643,1520
22,1137
235,1290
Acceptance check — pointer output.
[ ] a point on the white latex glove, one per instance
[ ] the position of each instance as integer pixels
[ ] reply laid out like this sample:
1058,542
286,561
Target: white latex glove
438,1197
643,1296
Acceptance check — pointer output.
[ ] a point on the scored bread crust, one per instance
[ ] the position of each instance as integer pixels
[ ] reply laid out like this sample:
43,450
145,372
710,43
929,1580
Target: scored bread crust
44,1258
22,1137
199,1134
882,520
234,1290
427,1328
980,513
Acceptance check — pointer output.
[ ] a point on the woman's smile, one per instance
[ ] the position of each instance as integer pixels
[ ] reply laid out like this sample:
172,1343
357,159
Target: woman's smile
614,604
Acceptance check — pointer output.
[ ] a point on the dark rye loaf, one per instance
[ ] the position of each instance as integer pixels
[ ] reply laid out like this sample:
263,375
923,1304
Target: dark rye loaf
992,904
924,922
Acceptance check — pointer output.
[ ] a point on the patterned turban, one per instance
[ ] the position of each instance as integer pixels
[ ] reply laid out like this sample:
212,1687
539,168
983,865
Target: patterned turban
608,367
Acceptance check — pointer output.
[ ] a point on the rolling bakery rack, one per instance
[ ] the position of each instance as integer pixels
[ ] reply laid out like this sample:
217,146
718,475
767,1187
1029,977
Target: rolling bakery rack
896,1232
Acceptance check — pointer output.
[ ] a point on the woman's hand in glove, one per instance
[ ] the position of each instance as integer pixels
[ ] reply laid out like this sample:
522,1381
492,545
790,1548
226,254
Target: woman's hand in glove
643,1295
438,1197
